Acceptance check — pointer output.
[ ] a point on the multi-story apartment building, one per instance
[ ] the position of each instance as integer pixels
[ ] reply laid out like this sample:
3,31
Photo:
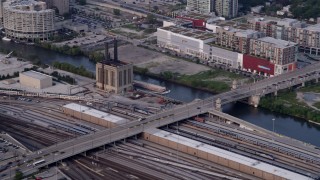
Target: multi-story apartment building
28,20
307,37
281,53
201,6
236,39
226,8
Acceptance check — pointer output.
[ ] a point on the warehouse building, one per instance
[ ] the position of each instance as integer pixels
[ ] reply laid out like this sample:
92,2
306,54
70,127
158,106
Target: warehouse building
92,115
35,79
220,156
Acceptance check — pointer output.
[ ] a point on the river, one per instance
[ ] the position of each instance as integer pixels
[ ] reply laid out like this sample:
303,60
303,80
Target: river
289,126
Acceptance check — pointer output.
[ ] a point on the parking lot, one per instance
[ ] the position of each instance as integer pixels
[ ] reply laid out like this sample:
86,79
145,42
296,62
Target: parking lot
89,39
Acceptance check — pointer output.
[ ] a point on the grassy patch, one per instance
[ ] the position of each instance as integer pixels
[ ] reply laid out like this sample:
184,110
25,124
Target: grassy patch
132,27
317,105
311,88
206,80
129,34
287,103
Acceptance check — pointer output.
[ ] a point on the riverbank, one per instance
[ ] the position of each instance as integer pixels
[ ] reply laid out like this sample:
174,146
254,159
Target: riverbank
214,81
287,102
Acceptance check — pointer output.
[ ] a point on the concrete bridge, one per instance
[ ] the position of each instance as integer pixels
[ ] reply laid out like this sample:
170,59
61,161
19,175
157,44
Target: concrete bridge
253,91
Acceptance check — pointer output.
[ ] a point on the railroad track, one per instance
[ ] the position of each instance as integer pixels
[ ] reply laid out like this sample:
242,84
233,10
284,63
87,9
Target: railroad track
32,132
161,153
281,158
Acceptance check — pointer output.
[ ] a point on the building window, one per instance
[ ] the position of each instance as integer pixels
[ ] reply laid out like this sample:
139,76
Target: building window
106,77
124,77
129,76
120,78
112,79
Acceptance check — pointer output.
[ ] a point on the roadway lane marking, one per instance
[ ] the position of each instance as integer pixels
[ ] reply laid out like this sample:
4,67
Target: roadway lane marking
89,168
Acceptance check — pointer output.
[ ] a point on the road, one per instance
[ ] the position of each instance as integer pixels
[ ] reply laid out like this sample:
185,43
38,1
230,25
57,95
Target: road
98,139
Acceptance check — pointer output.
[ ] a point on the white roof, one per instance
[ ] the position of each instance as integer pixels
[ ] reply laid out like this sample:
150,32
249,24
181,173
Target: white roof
277,42
315,27
96,113
36,75
227,154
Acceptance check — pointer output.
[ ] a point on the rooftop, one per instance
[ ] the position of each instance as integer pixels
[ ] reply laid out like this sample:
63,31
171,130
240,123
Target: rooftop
240,32
193,15
113,63
36,75
193,33
26,5
96,113
278,42
315,27
227,154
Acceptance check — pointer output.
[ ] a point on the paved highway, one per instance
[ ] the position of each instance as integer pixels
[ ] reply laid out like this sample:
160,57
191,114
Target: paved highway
81,144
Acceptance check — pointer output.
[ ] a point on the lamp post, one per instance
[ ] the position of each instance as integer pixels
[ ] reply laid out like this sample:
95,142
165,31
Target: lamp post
273,119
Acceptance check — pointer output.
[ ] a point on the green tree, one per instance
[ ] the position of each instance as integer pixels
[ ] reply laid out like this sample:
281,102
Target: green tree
82,2
116,12
151,19
155,8
18,175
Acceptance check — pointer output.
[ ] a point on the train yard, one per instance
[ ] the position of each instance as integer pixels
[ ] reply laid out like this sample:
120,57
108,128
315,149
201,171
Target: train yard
241,142
39,122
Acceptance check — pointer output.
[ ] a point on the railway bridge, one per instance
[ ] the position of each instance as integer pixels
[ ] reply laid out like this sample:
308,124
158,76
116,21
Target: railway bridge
253,91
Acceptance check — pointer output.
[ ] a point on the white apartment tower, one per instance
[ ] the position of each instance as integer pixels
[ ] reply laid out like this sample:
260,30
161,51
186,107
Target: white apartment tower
201,6
28,20
226,8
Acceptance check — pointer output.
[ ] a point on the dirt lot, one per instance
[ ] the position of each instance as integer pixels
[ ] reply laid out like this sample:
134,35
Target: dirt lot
157,62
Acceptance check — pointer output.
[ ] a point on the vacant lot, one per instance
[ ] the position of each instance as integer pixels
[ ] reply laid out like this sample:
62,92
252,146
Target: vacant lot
157,62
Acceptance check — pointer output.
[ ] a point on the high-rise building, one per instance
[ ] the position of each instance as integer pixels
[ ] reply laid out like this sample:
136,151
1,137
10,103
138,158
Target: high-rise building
226,8
28,20
61,5
113,75
201,6
1,15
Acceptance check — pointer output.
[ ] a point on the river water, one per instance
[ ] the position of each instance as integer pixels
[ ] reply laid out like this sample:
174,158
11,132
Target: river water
289,126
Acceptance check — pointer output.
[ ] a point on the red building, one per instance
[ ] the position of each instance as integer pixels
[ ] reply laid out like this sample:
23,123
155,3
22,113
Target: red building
198,20
256,64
